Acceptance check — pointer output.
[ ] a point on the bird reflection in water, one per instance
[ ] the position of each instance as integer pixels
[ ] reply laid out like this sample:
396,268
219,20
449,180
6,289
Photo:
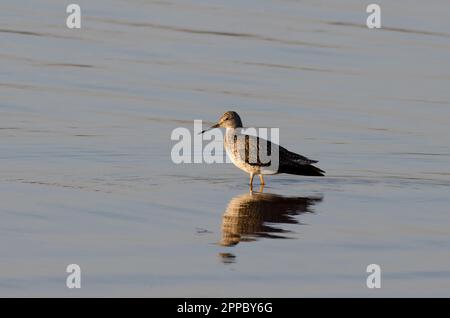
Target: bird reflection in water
255,215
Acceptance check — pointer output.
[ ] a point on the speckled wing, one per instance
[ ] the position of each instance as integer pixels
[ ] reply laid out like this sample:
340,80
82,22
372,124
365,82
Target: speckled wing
289,156
252,150
259,152
292,163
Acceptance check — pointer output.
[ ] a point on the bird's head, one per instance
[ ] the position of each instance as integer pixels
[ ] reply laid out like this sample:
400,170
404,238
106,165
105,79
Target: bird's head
229,119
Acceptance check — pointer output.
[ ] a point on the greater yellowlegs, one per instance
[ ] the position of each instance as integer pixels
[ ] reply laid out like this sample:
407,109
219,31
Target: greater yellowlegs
245,152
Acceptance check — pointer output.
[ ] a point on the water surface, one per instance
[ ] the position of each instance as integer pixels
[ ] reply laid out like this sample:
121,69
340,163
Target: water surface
86,175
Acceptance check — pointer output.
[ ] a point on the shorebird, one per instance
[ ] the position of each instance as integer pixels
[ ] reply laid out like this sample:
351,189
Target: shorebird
245,152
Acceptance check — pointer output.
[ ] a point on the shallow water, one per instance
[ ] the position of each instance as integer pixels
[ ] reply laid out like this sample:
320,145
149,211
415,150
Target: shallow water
86,174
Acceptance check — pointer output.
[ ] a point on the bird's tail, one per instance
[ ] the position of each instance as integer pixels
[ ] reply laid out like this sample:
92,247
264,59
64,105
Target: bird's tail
302,170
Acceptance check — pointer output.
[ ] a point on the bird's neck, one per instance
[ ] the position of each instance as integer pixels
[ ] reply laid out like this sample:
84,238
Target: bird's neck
233,130
230,132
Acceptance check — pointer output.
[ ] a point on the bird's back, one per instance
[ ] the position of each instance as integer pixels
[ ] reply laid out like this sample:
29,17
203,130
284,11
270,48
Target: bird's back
249,153
257,155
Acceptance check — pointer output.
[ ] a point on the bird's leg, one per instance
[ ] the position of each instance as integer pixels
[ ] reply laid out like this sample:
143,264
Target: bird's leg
251,180
261,188
262,179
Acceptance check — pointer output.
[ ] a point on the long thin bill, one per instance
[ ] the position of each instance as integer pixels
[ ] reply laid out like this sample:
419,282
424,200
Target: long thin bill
212,127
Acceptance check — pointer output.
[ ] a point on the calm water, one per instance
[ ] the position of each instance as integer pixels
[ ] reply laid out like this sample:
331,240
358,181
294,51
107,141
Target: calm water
86,175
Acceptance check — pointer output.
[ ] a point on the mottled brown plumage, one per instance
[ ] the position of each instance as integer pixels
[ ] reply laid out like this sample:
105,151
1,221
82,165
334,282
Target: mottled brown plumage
257,156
